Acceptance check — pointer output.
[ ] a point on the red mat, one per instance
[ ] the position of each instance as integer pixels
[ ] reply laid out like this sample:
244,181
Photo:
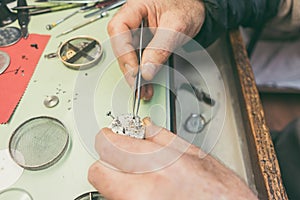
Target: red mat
24,56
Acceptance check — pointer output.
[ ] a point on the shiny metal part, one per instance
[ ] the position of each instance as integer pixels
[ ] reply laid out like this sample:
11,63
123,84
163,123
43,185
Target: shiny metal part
195,123
106,8
137,85
50,55
9,36
39,143
54,24
128,125
103,14
51,101
80,52
90,196
4,61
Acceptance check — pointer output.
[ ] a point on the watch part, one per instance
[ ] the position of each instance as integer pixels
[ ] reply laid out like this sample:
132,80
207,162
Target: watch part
128,125
195,123
9,36
4,61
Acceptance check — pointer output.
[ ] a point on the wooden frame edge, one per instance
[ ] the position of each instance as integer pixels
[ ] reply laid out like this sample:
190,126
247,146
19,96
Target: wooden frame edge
265,164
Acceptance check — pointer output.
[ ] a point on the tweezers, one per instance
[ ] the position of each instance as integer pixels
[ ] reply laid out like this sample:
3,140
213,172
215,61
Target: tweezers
137,85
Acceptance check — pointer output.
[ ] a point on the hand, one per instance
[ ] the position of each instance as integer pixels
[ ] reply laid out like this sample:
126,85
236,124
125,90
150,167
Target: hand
173,169
170,16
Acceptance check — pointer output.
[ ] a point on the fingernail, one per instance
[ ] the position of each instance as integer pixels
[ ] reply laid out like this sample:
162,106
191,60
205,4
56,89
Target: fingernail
148,71
147,121
129,69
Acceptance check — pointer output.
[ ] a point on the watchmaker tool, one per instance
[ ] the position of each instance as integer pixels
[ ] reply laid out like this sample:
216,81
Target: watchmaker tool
55,8
80,52
82,9
6,16
9,36
131,124
137,85
90,196
4,61
107,8
102,14
200,94
23,18
38,143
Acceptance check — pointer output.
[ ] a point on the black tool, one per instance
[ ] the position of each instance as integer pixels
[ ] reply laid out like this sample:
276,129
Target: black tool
200,94
23,18
6,16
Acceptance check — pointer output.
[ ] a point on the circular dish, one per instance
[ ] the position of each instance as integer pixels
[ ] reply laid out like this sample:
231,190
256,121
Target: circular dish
38,143
9,36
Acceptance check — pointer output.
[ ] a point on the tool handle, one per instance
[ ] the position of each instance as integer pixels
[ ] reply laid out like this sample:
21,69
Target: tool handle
54,9
50,26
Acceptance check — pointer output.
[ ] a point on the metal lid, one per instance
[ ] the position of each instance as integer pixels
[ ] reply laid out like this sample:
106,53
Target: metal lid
9,36
4,61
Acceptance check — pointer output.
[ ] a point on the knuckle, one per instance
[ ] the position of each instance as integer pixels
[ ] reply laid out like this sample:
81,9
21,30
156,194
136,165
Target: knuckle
111,27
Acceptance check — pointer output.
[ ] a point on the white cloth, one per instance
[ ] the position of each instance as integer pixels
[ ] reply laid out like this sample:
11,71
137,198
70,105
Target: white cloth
276,57
276,64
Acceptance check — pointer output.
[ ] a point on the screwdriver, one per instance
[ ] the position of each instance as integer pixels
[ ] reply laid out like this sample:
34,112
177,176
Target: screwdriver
104,14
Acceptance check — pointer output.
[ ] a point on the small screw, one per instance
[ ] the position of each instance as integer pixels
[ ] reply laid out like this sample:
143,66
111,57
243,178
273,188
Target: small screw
34,45
110,115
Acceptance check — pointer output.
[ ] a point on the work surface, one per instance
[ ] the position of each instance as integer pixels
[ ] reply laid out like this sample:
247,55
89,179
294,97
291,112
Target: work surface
100,88
84,99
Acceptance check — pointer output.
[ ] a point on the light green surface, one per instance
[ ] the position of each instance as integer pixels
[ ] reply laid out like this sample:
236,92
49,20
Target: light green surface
68,178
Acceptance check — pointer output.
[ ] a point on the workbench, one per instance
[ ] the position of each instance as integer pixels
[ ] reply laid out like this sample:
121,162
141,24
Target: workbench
85,96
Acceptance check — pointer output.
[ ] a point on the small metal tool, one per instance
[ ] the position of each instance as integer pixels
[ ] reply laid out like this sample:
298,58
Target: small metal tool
55,8
23,18
39,6
103,14
106,8
200,94
82,9
131,124
137,85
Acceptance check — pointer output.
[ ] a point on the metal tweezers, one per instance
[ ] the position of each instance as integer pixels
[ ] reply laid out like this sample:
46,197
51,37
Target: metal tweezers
137,85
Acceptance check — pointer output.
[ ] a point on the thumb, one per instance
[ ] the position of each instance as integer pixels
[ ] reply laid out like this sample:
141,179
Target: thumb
156,54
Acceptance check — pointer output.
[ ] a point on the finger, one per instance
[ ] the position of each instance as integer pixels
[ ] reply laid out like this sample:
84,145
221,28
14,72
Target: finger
119,28
132,155
112,183
129,75
166,39
168,139
147,92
